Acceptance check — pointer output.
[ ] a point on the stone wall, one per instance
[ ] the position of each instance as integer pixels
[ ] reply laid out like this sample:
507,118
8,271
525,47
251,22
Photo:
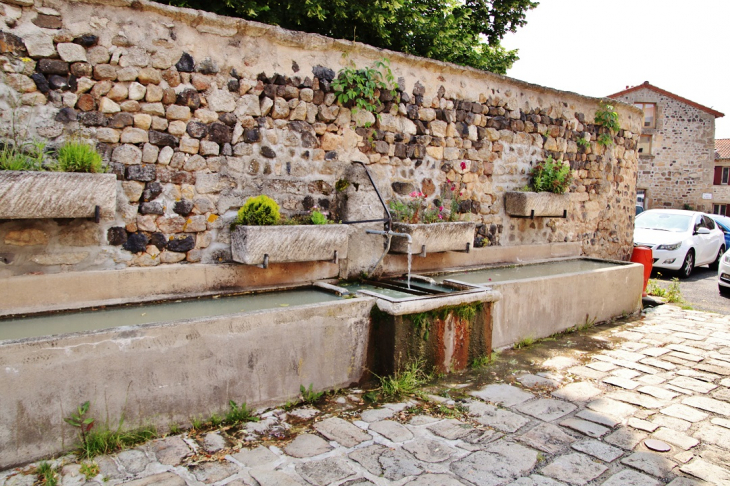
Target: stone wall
194,113
680,167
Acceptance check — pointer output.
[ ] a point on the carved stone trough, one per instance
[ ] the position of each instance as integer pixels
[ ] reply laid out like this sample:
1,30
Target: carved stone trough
434,238
541,204
261,245
37,195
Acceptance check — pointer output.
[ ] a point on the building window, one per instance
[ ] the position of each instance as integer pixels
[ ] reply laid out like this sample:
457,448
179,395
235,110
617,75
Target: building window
722,176
644,146
649,114
719,209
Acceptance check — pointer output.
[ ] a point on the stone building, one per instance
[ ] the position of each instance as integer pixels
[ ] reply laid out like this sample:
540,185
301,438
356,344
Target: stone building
721,178
676,149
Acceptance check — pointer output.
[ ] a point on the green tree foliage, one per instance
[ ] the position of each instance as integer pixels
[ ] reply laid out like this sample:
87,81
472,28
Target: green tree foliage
466,32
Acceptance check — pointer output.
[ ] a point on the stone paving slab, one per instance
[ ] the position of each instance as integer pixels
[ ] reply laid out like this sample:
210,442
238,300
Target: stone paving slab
505,395
679,439
577,392
546,409
565,427
547,438
598,449
574,468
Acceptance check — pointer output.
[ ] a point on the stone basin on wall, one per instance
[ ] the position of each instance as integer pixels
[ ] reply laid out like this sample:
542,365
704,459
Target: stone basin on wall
531,204
433,238
38,195
260,245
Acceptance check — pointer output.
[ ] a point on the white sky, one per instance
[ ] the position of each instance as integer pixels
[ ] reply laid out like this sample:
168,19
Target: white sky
598,47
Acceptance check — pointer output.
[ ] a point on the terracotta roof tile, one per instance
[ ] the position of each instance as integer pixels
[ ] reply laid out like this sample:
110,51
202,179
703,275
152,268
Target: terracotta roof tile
722,148
647,85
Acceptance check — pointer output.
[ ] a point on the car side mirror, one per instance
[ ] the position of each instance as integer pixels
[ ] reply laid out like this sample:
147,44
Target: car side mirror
702,231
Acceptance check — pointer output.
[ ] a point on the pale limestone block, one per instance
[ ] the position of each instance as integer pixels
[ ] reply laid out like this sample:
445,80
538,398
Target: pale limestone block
70,52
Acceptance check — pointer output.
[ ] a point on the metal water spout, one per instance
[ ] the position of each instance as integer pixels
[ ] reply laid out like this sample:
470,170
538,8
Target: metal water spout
390,234
387,232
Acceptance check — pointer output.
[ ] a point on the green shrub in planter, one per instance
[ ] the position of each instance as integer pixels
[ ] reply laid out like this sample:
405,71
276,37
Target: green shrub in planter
258,211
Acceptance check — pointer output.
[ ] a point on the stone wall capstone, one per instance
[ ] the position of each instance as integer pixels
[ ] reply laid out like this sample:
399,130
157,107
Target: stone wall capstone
196,112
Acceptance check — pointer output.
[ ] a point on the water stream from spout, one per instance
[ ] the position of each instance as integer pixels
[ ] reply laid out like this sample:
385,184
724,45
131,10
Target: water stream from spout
410,257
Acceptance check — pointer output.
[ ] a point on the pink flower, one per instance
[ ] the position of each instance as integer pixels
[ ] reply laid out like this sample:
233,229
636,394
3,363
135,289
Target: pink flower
453,187
441,216
414,194
463,166
441,208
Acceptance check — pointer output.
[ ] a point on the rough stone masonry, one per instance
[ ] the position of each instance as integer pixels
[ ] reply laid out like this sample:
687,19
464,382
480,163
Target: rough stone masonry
195,112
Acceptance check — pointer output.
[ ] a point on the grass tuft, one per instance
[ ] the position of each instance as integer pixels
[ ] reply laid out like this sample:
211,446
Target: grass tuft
106,441
239,414
75,156
484,361
525,342
89,469
47,474
404,382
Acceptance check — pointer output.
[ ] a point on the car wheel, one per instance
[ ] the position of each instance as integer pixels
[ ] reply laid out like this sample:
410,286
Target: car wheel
724,290
716,264
688,265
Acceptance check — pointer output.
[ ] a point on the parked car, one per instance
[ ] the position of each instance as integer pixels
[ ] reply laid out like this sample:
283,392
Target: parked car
723,275
724,223
680,239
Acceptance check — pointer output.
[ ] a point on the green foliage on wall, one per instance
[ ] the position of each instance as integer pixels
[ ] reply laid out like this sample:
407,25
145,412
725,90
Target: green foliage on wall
464,32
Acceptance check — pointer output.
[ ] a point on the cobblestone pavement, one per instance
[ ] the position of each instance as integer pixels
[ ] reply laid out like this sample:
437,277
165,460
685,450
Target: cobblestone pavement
651,407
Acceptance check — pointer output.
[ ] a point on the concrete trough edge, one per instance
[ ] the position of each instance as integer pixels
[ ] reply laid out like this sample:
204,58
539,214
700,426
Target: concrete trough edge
428,304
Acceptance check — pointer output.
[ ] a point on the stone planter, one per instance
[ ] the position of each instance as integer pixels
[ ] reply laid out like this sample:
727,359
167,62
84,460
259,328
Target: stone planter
541,204
433,238
36,195
261,245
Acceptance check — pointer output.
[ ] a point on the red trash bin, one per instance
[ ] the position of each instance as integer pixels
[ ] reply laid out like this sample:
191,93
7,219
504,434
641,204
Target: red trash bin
644,255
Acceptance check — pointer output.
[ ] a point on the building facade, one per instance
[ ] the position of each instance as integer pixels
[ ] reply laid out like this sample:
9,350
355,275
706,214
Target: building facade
676,149
721,178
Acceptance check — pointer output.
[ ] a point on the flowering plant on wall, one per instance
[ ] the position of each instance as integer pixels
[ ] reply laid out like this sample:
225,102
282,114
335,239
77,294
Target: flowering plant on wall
550,176
418,210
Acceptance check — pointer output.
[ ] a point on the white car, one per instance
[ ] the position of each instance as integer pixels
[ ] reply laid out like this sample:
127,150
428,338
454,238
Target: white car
723,275
680,240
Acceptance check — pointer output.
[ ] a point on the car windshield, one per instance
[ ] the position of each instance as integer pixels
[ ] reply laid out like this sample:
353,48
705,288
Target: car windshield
664,221
724,222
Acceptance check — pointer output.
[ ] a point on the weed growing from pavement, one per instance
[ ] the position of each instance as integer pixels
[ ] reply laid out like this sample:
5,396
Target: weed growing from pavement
525,342
309,396
107,441
89,469
404,382
47,474
239,413
484,361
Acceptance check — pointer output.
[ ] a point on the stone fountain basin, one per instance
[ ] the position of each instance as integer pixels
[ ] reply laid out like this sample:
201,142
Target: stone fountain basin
540,299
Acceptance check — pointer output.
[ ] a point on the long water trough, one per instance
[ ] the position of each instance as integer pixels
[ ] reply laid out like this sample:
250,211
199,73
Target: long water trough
163,363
